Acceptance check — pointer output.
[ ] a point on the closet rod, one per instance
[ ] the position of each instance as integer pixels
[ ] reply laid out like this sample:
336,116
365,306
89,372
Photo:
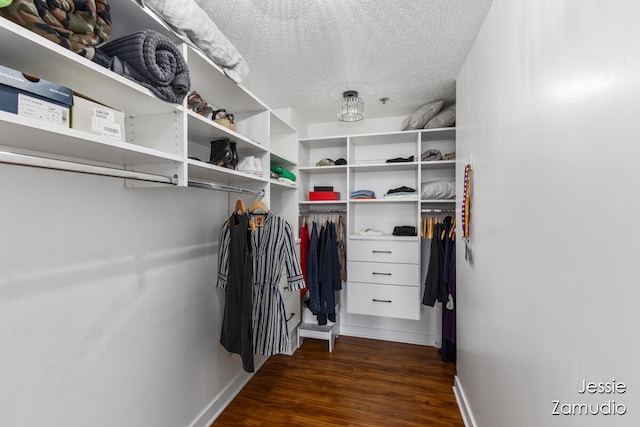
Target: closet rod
67,166
223,187
438,210
329,211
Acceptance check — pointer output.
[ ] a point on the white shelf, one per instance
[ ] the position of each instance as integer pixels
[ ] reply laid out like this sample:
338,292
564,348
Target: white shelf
323,202
283,184
390,237
30,53
323,169
203,130
210,173
440,201
282,161
438,164
21,133
364,201
380,167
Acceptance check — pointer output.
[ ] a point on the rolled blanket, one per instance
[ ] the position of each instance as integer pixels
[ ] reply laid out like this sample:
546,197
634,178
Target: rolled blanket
152,60
78,25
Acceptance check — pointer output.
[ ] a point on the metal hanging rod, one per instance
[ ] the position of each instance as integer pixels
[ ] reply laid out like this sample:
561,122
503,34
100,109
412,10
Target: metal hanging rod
328,211
67,166
438,210
223,187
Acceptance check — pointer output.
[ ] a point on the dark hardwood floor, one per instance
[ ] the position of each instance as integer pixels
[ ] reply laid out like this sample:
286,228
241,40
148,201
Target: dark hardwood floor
364,382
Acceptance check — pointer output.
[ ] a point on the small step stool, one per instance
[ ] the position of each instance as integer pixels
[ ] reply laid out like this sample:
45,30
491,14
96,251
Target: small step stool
309,328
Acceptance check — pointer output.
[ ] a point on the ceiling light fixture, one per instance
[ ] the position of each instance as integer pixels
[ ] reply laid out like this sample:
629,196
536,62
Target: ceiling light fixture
352,107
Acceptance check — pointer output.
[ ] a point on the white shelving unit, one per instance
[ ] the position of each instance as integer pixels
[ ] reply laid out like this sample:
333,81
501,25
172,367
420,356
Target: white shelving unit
161,138
383,270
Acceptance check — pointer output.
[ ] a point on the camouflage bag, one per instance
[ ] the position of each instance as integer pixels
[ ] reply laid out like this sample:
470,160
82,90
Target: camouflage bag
76,25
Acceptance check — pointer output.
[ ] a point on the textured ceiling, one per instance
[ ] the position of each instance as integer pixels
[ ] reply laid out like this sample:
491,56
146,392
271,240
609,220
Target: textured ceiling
304,53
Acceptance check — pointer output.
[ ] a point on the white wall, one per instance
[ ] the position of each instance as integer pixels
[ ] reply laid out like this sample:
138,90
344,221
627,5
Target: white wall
548,103
337,128
109,315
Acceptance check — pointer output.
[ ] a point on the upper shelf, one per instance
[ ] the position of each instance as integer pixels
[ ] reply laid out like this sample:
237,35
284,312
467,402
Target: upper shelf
30,53
24,133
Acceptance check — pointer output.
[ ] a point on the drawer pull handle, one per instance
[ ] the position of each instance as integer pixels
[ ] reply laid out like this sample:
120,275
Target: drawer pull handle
381,300
382,274
291,316
381,252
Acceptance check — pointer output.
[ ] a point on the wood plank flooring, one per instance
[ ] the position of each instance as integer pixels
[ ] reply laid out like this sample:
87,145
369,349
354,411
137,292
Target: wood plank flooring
363,383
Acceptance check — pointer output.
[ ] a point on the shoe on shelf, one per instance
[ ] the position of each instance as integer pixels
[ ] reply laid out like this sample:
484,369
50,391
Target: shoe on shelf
258,166
247,165
221,153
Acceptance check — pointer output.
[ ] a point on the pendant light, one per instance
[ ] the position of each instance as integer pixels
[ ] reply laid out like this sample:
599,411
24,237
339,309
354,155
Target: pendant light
352,107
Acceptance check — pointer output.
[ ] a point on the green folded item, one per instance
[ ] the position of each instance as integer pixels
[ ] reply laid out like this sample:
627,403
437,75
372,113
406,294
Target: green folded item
283,173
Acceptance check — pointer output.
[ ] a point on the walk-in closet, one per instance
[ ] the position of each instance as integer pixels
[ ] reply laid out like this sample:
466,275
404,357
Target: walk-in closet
306,213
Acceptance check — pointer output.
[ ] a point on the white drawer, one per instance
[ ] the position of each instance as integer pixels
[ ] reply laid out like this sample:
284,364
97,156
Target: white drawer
384,273
383,251
401,302
292,310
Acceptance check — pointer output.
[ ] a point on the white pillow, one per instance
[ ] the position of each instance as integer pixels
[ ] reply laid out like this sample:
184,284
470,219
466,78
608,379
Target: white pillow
421,116
438,190
445,118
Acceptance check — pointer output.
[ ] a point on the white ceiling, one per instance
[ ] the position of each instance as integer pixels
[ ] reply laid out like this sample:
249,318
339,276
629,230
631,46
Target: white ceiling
304,53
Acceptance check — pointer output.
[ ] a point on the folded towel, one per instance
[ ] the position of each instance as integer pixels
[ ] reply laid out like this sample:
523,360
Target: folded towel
152,60
77,25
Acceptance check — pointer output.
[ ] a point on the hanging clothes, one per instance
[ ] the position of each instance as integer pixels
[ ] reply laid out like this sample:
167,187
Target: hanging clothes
273,250
448,349
342,252
435,288
313,302
237,323
304,251
330,278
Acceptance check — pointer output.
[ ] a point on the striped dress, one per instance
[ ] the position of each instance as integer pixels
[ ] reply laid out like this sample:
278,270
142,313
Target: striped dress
273,253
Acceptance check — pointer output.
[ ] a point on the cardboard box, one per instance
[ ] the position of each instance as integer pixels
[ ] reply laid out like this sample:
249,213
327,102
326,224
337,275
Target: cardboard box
92,116
30,96
324,195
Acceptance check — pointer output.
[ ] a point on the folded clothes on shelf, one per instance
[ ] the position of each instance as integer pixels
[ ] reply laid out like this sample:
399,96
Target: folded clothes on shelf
363,194
404,189
431,155
370,232
283,173
404,230
400,160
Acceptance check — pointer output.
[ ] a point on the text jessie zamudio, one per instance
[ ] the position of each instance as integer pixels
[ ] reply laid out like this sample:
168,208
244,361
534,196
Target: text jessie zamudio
610,407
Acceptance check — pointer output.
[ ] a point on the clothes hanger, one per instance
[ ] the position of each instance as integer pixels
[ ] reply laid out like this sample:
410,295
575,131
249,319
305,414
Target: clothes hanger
239,207
258,207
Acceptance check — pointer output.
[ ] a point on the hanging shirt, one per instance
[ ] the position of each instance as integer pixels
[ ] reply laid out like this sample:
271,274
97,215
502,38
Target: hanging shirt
304,250
273,252
237,320
312,271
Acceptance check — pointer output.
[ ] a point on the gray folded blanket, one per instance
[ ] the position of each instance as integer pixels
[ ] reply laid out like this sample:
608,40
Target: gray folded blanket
152,60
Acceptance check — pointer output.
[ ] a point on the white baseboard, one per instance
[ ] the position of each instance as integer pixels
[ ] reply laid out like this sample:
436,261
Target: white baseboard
463,404
224,398
388,335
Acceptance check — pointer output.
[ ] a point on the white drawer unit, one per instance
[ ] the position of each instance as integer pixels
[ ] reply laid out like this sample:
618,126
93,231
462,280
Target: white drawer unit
384,300
292,310
404,252
384,273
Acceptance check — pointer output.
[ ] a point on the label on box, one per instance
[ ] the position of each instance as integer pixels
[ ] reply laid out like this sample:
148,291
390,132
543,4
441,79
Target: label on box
103,121
42,110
